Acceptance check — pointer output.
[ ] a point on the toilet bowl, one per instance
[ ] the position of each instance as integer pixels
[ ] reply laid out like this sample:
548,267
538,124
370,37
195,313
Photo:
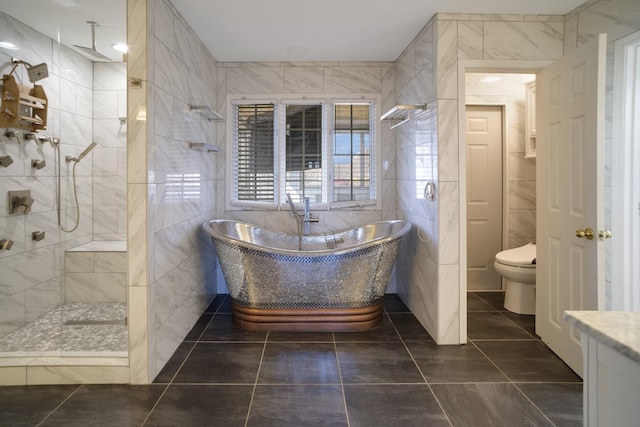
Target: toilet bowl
518,267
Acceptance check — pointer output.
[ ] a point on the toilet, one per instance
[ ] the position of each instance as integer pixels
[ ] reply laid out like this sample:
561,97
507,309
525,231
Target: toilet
518,267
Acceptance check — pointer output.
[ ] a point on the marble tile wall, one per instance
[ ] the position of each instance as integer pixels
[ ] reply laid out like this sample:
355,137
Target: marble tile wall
170,188
308,79
31,273
417,162
521,173
110,156
95,276
427,72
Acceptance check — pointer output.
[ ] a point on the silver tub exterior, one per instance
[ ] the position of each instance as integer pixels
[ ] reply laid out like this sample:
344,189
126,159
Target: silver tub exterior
265,269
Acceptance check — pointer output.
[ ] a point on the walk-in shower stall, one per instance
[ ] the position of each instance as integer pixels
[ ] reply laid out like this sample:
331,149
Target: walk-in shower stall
62,186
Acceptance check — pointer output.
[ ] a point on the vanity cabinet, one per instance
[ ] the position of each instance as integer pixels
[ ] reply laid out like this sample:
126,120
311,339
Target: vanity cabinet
611,358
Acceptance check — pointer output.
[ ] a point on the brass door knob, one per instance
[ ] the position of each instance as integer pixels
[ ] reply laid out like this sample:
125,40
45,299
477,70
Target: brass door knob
586,233
604,234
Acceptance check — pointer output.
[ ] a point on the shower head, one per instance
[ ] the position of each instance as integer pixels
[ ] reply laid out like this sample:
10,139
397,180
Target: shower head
92,51
86,150
35,72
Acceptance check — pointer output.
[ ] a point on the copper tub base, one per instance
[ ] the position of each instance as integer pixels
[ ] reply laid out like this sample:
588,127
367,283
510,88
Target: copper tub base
307,319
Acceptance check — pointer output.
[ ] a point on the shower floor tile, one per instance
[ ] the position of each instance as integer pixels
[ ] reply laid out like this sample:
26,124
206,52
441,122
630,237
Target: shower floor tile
72,329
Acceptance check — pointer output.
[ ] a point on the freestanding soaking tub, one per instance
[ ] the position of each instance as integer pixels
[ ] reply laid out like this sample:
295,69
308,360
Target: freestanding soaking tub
335,283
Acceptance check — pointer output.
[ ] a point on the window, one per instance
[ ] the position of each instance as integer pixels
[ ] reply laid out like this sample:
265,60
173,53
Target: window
254,153
328,153
303,160
352,153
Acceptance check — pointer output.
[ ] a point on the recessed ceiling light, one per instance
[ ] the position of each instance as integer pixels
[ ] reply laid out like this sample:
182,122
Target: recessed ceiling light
120,47
8,45
69,4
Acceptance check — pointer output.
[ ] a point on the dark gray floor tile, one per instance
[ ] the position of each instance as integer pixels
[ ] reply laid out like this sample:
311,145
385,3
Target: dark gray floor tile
28,405
493,325
409,328
393,405
526,322
527,361
221,328
107,405
490,405
281,336
383,332
453,363
220,304
562,403
494,299
297,406
221,363
199,327
202,405
171,368
476,304
393,304
378,362
299,363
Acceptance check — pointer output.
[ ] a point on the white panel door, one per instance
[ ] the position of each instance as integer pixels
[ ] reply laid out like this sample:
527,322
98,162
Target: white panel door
570,194
484,195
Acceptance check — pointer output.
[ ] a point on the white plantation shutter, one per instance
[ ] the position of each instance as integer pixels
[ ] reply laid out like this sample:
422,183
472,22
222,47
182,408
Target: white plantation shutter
254,153
321,149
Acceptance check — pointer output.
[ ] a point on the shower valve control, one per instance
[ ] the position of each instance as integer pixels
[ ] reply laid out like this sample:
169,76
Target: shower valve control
20,202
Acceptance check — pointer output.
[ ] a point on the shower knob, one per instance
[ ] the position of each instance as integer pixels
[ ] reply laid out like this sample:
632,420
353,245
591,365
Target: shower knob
37,235
38,163
5,161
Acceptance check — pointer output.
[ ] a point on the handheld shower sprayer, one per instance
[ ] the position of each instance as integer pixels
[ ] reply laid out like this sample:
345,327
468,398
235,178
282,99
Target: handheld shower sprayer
56,143
82,155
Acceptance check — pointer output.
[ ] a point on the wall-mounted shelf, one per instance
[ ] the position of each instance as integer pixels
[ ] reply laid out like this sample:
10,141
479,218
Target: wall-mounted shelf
204,146
400,114
22,107
206,112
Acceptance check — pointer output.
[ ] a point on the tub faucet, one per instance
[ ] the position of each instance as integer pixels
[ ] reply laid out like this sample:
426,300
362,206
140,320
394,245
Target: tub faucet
298,218
308,218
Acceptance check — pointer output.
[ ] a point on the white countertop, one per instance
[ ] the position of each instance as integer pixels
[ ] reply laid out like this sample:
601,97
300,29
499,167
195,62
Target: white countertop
619,330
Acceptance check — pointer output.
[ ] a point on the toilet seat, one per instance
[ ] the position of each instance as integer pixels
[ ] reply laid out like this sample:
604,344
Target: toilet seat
522,257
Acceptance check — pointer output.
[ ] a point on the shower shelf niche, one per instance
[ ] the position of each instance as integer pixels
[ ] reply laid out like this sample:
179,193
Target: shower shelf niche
401,113
206,111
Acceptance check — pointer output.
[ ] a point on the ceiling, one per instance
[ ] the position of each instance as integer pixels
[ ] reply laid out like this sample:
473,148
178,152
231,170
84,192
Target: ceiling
69,24
275,30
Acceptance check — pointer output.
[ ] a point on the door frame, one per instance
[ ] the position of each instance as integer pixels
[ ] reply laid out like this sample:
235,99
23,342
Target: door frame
505,169
624,185
476,66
